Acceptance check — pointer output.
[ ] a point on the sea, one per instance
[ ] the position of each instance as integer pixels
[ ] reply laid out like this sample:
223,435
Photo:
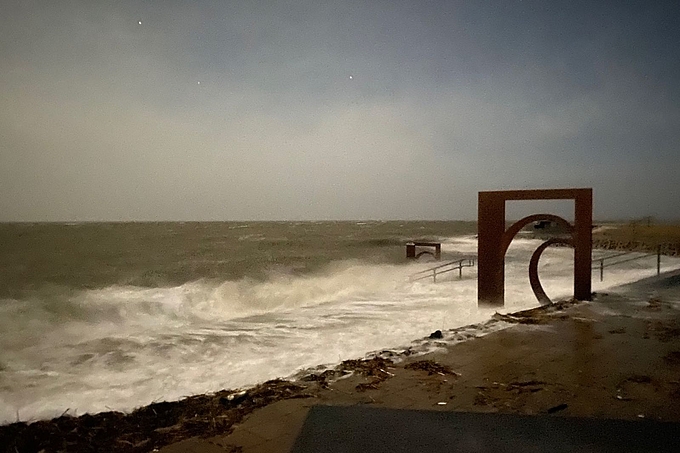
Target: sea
113,316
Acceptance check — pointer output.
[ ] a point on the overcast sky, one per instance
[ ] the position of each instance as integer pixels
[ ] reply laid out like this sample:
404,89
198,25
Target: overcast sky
243,110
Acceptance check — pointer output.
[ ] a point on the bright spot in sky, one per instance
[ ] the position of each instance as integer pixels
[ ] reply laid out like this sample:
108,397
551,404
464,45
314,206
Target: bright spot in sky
140,22
199,83
351,77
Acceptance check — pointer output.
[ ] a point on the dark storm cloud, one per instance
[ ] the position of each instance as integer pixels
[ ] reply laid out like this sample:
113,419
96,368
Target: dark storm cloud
104,118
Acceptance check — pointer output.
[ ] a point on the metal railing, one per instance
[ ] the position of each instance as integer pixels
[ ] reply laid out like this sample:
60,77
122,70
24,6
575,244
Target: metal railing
602,263
451,266
597,264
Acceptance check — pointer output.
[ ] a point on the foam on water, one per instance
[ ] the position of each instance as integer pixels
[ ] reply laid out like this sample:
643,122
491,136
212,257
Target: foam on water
121,347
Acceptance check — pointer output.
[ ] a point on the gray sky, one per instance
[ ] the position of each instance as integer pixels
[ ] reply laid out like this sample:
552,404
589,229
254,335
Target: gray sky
234,110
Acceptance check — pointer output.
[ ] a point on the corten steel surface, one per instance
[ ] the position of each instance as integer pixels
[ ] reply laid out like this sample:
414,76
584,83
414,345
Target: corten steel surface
494,241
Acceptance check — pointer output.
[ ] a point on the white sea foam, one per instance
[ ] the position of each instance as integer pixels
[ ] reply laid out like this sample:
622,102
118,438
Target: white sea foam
122,347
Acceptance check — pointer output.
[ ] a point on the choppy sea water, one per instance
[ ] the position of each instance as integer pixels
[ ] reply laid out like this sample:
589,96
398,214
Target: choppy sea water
95,317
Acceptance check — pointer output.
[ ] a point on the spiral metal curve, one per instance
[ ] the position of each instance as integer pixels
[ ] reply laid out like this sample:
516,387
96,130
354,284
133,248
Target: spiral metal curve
533,269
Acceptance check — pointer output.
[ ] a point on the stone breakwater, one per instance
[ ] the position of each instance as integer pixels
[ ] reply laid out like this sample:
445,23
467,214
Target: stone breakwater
667,248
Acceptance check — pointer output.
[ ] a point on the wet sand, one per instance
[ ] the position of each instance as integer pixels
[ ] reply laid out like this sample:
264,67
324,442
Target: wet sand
616,357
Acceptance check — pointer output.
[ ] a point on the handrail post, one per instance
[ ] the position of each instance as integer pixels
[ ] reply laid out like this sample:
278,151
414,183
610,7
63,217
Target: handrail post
658,260
434,275
460,270
602,269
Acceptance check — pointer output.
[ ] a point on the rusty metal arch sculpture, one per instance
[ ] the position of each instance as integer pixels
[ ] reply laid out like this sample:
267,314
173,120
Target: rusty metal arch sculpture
511,232
516,227
533,269
494,240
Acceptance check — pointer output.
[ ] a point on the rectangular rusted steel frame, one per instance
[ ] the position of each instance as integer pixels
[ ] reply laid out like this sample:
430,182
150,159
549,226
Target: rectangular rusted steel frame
491,226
